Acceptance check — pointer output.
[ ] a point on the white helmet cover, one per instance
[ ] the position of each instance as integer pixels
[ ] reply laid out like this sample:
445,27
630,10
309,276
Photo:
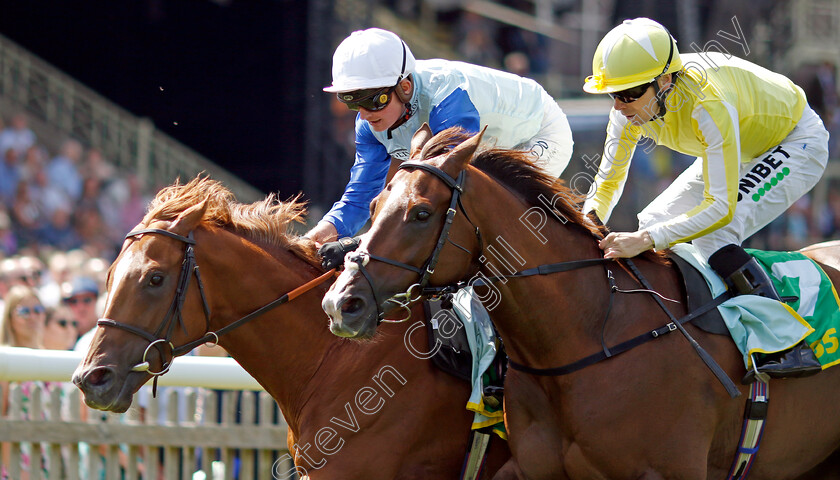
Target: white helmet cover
372,58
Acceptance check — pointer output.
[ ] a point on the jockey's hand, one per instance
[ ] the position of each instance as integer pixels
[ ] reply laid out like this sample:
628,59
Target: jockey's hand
332,253
626,244
322,233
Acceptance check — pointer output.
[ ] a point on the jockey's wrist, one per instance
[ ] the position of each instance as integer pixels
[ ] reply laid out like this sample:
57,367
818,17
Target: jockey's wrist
649,243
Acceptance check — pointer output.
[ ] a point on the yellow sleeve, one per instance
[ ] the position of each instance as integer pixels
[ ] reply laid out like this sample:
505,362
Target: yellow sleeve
608,184
717,126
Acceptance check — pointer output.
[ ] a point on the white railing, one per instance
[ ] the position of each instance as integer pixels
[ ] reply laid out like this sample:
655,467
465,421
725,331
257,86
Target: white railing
131,143
184,433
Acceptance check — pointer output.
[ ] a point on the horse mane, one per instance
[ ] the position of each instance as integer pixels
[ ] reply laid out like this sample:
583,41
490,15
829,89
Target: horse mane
516,170
268,220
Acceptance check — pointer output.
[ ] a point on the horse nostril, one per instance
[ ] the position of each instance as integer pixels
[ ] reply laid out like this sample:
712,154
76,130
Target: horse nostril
352,305
99,376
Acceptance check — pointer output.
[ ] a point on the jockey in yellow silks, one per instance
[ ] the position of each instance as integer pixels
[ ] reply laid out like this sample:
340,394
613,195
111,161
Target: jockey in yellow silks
759,148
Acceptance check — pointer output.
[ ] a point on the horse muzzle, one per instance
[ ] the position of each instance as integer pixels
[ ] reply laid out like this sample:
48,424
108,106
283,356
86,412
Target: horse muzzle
103,387
352,314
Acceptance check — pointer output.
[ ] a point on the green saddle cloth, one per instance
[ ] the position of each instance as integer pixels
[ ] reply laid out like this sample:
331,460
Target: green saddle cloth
795,275
762,325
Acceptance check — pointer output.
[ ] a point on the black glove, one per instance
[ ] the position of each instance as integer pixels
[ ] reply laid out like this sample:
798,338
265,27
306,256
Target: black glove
332,253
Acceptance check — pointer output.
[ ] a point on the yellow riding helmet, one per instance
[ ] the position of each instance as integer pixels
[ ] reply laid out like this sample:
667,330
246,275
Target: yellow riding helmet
631,54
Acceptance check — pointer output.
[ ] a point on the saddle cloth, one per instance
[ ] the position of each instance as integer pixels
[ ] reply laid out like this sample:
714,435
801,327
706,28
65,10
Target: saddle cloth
759,324
476,342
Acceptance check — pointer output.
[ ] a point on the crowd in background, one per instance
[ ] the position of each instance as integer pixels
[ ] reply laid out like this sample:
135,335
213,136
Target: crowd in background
63,216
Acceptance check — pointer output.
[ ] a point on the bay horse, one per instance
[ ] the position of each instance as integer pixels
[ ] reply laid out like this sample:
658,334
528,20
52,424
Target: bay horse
652,412
354,411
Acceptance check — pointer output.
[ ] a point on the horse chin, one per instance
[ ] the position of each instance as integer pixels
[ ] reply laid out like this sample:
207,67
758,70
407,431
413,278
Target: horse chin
118,405
365,331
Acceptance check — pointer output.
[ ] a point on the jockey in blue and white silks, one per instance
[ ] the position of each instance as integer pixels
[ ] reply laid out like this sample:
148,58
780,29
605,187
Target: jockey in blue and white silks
372,67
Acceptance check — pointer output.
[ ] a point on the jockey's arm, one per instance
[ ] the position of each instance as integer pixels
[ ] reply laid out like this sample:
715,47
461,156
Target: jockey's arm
721,169
717,124
608,181
367,178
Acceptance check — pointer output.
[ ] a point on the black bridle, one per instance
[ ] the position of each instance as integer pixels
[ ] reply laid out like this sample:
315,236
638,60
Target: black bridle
161,341
361,258
158,339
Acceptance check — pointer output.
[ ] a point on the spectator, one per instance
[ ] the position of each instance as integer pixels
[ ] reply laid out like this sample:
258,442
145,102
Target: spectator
23,326
17,136
80,295
134,205
479,48
63,171
31,270
96,167
59,231
518,63
8,239
61,329
23,318
9,175
27,215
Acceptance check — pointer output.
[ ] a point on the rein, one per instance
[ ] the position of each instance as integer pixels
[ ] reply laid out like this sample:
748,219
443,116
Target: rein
189,268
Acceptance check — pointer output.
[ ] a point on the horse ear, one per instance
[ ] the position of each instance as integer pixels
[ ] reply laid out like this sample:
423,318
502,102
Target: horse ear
463,153
420,138
189,219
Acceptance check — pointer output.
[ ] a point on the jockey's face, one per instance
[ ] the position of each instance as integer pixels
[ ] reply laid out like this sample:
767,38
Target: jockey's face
643,109
381,120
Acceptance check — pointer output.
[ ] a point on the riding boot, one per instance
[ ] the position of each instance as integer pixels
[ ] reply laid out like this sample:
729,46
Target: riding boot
744,276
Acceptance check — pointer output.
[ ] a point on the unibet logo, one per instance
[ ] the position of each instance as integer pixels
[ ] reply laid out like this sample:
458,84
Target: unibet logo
763,176
767,186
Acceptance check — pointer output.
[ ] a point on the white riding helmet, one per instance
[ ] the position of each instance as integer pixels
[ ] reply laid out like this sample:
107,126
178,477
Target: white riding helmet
372,58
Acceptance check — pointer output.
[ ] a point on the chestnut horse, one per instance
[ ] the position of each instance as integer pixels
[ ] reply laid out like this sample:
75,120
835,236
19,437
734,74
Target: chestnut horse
354,410
652,412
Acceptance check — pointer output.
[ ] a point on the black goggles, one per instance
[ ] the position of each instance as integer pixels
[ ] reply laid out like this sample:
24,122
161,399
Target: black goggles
631,94
373,99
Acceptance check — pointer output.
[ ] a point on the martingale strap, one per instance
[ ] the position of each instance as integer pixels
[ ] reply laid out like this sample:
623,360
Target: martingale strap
755,416
476,456
621,347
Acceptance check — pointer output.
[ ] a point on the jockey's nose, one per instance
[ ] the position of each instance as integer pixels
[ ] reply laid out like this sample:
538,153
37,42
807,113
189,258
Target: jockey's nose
364,113
619,105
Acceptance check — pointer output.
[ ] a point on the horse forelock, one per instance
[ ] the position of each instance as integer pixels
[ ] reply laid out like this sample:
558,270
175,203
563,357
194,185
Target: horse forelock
268,220
515,170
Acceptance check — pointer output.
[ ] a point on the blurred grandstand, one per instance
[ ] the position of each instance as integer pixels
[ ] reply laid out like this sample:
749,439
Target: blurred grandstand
551,41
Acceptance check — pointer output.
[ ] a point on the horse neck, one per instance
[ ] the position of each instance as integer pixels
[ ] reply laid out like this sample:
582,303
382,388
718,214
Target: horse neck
543,318
284,347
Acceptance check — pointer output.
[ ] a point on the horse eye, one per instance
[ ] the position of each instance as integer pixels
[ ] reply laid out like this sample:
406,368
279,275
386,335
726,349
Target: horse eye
423,215
156,280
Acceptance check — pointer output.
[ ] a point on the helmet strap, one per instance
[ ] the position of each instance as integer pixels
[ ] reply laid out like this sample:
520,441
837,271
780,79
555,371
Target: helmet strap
408,111
661,95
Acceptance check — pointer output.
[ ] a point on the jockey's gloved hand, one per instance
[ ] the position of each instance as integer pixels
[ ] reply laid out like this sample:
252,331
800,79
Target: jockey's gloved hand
332,253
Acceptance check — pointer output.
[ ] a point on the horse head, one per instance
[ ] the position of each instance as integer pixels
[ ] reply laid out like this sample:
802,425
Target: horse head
157,305
413,225
144,318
